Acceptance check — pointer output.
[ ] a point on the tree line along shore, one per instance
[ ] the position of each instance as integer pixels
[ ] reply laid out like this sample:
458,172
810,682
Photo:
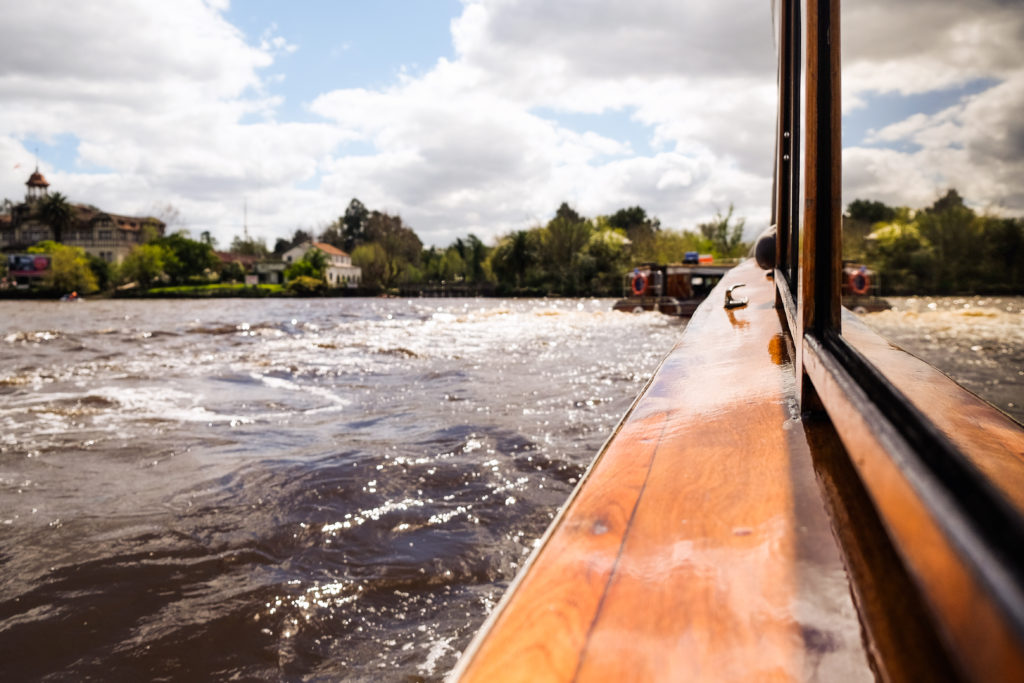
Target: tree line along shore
946,248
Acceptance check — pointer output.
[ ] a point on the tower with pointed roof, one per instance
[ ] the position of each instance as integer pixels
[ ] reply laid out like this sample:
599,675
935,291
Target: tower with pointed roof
108,236
37,187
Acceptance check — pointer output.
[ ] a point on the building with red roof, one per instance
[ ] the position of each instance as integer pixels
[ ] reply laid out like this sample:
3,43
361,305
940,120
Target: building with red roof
339,271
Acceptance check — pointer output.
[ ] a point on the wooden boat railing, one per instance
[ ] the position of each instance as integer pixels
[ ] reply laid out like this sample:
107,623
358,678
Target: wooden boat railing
958,529
783,449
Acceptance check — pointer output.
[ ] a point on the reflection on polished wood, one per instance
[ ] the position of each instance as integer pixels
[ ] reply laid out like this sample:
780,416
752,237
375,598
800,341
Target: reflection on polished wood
993,441
697,546
980,637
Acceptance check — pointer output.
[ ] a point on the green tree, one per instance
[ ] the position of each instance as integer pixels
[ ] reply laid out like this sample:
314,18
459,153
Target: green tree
726,240
947,248
442,265
354,225
608,249
312,264
399,244
950,227
254,246
145,264
56,212
671,246
186,259
334,235
562,240
860,219
102,270
429,260
870,211
511,259
281,245
304,285
1003,242
374,262
298,237
950,200
567,213
69,268
151,230
473,253
902,256
232,272
641,230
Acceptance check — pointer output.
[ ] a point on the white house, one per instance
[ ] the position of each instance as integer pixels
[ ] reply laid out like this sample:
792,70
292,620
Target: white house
339,271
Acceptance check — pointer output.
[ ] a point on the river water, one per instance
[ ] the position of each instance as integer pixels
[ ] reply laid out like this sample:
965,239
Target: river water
327,489
976,340
318,489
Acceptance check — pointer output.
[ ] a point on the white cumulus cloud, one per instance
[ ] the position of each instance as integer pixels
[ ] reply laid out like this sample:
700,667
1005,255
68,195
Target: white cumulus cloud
169,103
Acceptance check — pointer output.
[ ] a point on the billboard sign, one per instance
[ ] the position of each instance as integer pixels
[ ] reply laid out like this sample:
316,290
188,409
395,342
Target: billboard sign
28,265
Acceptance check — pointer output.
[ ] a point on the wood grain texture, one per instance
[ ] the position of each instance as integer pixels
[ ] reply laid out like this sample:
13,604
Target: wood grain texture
819,296
897,624
681,556
565,590
992,441
976,632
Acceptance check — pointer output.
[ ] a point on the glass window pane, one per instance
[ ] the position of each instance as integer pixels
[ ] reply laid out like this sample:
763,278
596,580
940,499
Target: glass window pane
933,155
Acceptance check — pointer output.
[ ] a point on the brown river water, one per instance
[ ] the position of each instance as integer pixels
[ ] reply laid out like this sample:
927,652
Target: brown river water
288,489
321,489
976,340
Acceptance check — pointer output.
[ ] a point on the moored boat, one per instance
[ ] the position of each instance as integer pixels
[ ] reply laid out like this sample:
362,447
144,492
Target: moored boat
674,289
860,287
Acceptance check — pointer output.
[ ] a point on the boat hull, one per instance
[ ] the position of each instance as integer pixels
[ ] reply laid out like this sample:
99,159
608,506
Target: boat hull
668,305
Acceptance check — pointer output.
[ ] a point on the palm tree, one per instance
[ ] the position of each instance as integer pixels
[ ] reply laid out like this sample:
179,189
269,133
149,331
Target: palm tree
521,256
57,213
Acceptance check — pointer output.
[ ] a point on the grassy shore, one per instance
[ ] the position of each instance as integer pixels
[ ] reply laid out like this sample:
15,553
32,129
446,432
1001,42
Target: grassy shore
216,290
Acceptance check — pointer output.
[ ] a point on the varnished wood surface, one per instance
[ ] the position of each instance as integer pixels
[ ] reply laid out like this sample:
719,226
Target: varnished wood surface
821,191
897,624
992,440
697,547
977,634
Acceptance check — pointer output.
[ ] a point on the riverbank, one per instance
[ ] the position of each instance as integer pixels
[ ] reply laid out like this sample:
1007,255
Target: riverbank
206,291
238,290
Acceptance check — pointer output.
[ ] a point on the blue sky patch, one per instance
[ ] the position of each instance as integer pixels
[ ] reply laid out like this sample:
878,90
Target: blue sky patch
310,183
357,148
615,124
884,109
346,44
60,152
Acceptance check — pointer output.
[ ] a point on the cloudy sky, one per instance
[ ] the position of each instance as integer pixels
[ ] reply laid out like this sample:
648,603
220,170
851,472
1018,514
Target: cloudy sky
484,115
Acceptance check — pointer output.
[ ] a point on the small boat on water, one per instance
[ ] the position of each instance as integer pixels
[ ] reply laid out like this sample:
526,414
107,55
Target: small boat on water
674,289
860,286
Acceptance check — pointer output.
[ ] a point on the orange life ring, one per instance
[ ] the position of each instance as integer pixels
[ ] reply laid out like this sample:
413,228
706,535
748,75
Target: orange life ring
859,282
639,284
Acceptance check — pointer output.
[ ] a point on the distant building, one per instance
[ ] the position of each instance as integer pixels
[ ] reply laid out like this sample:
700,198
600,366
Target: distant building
267,271
339,271
107,235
